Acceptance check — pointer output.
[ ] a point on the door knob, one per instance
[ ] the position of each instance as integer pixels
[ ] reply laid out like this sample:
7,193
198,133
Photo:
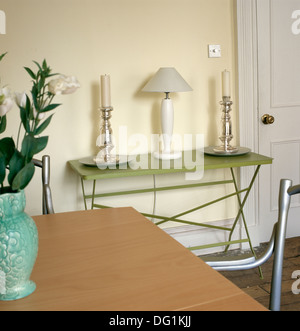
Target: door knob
268,119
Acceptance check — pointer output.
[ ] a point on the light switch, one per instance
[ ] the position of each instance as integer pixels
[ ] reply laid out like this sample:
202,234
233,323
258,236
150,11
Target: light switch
214,51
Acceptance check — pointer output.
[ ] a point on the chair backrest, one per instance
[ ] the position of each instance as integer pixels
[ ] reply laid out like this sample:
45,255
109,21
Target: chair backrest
276,246
285,193
280,235
44,164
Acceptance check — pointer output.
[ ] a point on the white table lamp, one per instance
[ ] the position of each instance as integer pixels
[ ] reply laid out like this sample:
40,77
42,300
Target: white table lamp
167,80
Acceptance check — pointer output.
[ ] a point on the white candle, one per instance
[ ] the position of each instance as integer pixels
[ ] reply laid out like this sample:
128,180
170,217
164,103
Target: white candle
226,83
105,91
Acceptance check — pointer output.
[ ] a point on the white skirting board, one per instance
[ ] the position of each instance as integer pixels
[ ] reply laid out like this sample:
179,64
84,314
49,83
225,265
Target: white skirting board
191,235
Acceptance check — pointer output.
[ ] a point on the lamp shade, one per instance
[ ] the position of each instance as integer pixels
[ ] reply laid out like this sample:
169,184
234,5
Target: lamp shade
167,80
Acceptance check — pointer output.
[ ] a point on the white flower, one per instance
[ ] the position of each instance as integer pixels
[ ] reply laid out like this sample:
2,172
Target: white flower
4,93
6,102
71,84
56,86
20,99
6,106
63,85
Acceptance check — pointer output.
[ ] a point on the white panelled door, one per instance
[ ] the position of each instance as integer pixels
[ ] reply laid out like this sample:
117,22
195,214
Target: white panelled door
279,98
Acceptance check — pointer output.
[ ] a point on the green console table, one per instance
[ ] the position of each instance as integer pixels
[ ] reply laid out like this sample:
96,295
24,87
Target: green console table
89,173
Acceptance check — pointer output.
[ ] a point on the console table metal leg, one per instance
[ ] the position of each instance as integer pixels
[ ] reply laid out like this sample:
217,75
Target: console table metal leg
241,212
242,204
83,193
86,197
93,197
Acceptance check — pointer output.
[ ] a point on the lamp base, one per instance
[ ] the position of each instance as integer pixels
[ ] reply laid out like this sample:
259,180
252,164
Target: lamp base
168,156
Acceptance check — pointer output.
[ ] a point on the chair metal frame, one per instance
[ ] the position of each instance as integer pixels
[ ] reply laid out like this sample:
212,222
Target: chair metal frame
275,246
44,164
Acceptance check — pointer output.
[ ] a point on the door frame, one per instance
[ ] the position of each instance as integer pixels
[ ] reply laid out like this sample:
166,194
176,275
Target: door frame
248,103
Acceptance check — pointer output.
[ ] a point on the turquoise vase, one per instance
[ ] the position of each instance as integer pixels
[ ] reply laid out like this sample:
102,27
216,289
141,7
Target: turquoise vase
18,247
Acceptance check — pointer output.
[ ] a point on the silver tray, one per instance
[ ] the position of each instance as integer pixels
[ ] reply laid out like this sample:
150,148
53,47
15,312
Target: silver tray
242,151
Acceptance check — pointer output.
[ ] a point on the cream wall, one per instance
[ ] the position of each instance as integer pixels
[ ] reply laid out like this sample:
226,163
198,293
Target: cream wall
130,40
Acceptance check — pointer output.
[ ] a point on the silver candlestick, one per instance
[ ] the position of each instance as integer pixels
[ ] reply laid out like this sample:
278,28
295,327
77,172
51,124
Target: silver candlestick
106,144
226,135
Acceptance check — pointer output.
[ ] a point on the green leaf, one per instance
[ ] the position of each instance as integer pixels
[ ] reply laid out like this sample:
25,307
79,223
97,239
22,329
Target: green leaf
30,72
2,168
41,144
38,65
32,146
24,119
45,66
40,84
7,148
29,146
34,93
43,126
23,177
51,75
25,114
50,107
16,163
3,124
2,56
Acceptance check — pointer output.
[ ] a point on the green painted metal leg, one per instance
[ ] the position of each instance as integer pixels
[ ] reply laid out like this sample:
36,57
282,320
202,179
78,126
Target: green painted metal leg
93,198
83,193
206,204
241,212
242,204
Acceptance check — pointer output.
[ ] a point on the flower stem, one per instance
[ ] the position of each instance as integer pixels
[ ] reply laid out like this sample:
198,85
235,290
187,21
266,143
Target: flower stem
19,131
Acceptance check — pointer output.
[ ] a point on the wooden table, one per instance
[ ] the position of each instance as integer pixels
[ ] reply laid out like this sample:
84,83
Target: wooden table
117,260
